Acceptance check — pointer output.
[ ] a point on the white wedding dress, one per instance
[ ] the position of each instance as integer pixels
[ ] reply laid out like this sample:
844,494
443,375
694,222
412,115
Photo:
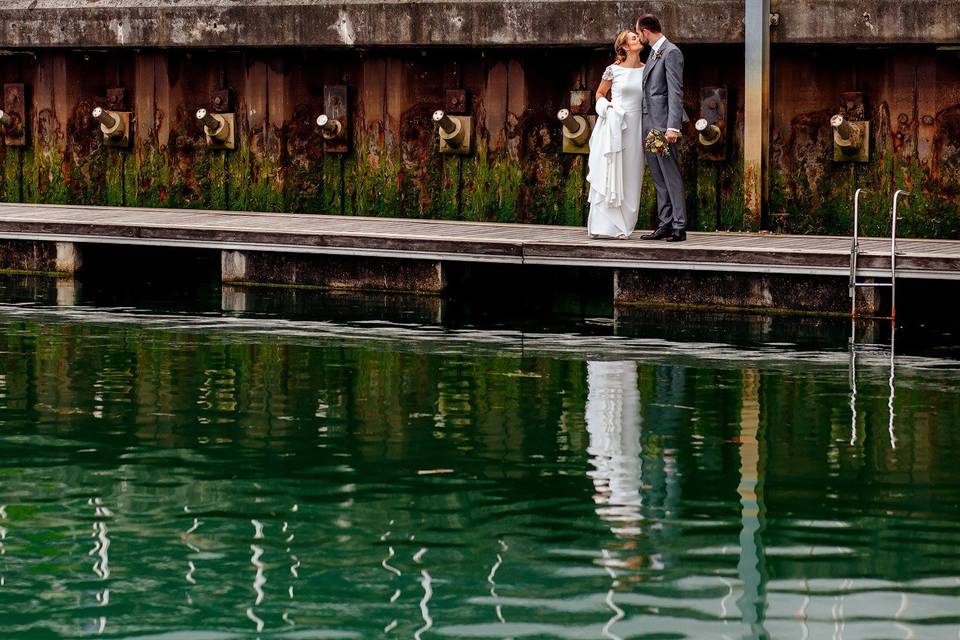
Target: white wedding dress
615,215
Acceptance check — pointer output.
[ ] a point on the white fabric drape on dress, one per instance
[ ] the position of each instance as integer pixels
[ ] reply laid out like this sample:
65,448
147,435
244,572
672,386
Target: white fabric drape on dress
614,211
605,164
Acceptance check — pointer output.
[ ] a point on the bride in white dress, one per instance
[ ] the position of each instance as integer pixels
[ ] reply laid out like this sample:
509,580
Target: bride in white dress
616,148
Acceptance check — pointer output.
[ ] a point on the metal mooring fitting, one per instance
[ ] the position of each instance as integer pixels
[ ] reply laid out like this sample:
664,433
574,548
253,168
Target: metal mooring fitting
329,128
214,124
109,121
847,135
218,128
851,138
576,129
454,132
114,125
12,126
709,133
448,125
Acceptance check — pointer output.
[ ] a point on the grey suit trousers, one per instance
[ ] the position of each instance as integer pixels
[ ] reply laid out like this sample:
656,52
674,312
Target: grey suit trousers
665,171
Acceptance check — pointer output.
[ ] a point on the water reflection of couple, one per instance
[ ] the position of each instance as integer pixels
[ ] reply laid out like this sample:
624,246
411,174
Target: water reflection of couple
613,424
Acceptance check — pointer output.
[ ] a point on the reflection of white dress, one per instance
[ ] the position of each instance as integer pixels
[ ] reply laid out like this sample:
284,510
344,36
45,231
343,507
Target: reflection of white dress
613,424
627,95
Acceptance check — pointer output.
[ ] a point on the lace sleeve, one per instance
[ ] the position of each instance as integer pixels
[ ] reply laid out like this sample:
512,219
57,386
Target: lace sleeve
608,73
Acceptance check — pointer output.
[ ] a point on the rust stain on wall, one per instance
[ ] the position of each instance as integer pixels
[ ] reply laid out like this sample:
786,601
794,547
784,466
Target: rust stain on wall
517,172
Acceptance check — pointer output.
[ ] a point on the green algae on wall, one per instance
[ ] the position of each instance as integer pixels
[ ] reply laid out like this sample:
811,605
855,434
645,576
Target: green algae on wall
491,188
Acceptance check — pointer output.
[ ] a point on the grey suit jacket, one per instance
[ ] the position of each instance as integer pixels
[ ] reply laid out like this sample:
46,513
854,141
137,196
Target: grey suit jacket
663,89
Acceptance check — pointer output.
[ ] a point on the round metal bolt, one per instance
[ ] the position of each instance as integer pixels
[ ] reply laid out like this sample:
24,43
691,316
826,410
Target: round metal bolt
903,118
927,120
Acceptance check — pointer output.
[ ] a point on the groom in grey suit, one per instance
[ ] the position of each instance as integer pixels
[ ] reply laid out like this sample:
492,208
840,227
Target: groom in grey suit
663,110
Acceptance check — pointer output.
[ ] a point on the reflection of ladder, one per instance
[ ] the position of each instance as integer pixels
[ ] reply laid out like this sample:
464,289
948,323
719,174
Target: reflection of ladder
855,251
890,385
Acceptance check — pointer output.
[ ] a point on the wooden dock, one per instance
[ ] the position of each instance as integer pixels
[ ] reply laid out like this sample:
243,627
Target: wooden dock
437,240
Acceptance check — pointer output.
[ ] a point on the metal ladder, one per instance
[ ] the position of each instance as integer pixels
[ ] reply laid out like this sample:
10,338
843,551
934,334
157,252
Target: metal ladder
855,251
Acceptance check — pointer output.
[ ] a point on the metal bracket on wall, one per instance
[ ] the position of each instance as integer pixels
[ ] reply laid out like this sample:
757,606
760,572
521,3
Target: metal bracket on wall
220,101
336,116
851,129
219,129
581,103
114,126
456,133
455,102
712,125
577,123
13,117
117,99
219,121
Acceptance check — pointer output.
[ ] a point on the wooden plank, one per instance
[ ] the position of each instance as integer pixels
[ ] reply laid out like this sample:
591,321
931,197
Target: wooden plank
247,84
366,173
498,242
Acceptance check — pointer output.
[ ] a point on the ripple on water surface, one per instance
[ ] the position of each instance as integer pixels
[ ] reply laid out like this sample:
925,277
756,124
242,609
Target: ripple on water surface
208,476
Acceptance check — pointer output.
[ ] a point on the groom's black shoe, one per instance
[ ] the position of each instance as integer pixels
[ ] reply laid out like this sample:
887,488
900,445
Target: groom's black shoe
659,234
679,235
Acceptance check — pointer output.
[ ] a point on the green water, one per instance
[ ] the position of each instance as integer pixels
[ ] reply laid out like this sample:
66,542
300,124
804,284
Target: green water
205,474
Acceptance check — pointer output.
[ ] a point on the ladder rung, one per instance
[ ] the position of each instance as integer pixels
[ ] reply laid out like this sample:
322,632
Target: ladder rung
873,284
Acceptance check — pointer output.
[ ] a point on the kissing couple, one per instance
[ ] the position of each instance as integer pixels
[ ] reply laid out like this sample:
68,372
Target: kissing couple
637,126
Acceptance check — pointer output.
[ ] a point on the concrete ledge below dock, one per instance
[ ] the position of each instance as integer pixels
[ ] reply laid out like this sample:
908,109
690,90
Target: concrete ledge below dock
332,272
760,291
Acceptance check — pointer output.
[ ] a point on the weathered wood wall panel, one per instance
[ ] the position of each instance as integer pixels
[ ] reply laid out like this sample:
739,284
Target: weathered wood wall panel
912,100
517,172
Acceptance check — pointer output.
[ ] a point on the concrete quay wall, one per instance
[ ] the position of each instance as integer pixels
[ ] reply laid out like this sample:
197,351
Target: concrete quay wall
473,23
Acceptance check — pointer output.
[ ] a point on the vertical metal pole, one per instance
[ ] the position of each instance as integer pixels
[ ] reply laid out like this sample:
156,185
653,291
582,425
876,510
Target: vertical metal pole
756,121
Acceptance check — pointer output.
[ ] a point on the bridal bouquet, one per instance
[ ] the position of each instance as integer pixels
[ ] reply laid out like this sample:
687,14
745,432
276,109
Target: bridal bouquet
656,143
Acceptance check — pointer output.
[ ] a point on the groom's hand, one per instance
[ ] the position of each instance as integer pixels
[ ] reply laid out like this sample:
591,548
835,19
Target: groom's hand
672,136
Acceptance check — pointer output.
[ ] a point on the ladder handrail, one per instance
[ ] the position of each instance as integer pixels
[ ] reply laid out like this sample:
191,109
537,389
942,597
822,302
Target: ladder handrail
893,253
854,250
